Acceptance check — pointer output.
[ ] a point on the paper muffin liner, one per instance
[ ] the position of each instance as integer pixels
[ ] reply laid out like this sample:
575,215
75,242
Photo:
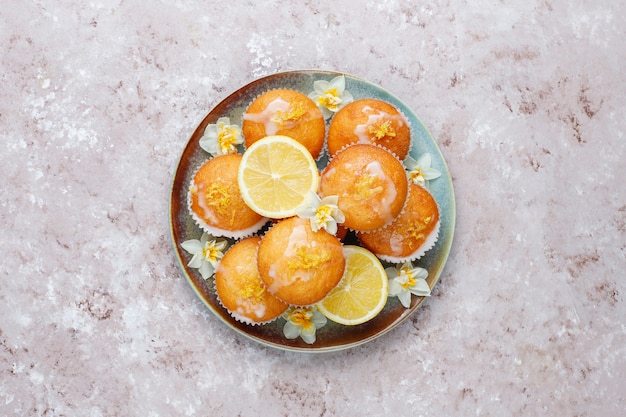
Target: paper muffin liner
217,231
322,151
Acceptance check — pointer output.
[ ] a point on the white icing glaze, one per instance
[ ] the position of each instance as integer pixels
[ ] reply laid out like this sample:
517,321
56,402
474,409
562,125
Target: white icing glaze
383,207
206,208
247,306
296,238
395,243
375,116
267,116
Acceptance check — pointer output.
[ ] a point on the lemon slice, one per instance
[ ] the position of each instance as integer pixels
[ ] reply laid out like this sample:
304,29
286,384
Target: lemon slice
362,292
275,174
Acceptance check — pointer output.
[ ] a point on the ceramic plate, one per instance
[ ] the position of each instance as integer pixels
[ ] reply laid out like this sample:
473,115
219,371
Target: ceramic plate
332,336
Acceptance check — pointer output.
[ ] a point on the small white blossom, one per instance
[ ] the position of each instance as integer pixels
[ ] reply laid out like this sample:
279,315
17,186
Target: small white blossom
221,138
324,213
206,252
303,322
420,171
331,96
406,280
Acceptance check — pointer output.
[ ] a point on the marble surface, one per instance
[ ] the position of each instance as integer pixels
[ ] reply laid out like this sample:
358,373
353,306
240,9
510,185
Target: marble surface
526,100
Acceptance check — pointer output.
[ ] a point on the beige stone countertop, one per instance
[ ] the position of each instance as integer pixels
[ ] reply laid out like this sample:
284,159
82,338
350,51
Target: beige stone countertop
526,100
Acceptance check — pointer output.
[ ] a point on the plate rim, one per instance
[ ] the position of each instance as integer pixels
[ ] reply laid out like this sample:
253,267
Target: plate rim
444,251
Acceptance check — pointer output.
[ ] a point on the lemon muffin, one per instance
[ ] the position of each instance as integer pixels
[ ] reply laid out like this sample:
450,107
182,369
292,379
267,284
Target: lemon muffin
413,233
285,112
371,184
238,285
370,121
298,265
215,202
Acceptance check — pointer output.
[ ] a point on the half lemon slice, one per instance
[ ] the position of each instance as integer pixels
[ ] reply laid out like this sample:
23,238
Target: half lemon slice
362,292
275,174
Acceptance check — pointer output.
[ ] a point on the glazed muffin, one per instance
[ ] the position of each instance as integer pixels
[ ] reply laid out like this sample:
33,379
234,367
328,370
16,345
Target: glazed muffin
370,121
298,265
215,202
413,233
238,285
285,112
371,184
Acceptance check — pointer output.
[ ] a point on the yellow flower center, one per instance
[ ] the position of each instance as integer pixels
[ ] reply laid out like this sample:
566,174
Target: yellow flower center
416,175
301,317
295,112
308,258
211,253
381,129
227,139
367,186
330,99
410,278
323,214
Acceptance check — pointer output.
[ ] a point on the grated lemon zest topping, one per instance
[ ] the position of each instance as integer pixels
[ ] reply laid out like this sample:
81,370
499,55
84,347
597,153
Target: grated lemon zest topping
295,112
414,231
308,258
253,291
218,196
381,130
367,186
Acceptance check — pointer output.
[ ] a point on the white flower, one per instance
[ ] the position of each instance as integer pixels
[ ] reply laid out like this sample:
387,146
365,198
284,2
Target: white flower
221,138
206,252
406,280
331,96
303,322
420,170
324,213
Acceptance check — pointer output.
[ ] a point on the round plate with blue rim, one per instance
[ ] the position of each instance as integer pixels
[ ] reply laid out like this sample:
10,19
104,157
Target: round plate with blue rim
333,336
